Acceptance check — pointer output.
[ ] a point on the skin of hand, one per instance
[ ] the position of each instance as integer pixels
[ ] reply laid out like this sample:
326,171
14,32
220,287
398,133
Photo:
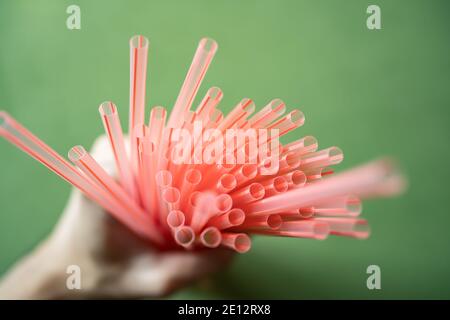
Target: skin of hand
113,262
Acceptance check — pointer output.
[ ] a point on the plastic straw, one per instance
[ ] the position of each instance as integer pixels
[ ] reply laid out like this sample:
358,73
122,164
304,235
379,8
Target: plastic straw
211,237
248,194
362,179
269,113
184,236
226,183
350,227
138,75
202,59
209,102
232,218
239,242
113,129
175,219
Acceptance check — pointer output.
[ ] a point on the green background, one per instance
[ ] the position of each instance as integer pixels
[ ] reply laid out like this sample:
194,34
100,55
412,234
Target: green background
372,93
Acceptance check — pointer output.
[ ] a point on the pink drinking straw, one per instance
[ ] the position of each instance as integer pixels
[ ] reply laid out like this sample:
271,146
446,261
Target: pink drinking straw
275,186
302,146
192,178
344,206
223,203
239,242
248,194
288,162
322,158
226,183
202,59
175,219
84,161
203,210
233,218
241,111
350,227
209,102
361,179
171,198
184,236
269,113
210,237
245,173
147,169
27,142
295,179
299,229
297,214
113,129
156,126
291,121
138,74
271,221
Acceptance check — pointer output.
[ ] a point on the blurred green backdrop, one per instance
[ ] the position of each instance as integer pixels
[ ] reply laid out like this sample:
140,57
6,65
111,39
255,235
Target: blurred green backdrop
370,92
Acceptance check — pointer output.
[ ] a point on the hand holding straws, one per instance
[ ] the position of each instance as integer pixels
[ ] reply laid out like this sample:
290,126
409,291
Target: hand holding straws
207,204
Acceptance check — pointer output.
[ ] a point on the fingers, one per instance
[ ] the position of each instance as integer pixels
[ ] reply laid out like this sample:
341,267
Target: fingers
157,275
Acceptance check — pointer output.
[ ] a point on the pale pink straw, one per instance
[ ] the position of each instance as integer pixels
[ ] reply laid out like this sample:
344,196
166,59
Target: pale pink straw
113,129
232,218
184,236
211,237
362,179
239,242
200,63
209,102
175,219
138,76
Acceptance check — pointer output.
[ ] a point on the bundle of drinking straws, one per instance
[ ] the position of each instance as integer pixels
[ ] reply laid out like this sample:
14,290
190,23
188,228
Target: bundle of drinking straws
199,178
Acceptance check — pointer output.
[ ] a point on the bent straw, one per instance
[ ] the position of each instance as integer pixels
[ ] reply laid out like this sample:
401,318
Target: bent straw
232,218
12,131
113,129
361,179
239,242
211,237
200,63
138,75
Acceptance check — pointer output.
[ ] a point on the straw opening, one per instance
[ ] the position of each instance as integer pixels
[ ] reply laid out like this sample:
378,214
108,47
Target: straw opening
242,243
